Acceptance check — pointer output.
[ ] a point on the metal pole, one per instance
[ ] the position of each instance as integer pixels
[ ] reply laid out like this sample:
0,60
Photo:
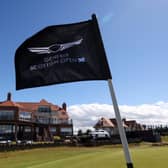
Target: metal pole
120,126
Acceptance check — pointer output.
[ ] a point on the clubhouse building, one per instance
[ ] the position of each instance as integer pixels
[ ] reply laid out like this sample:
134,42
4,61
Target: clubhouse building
38,121
110,125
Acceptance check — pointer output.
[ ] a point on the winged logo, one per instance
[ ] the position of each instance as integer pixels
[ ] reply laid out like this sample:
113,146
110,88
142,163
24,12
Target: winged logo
55,47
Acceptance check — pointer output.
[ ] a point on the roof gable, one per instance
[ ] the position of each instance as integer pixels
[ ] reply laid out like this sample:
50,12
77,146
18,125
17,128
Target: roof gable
43,102
33,107
104,122
9,103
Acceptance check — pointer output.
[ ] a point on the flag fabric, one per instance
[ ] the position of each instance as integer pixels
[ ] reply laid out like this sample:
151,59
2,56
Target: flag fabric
61,53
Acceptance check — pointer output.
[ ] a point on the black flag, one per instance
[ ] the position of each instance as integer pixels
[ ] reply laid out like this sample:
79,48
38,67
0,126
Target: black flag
62,53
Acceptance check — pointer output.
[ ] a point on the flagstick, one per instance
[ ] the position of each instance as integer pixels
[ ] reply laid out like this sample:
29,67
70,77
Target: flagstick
115,105
120,126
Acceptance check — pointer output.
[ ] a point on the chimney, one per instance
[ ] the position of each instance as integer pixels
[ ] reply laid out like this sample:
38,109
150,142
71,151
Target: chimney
9,96
64,106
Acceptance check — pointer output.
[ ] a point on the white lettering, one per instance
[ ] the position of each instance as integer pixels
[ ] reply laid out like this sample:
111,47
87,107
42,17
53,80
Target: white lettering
82,59
57,59
33,68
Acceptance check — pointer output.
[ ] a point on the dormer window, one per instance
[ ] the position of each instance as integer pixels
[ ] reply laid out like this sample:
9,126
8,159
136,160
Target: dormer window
44,109
25,116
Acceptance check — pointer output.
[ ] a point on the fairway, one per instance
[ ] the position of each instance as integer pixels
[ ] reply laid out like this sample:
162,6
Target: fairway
81,157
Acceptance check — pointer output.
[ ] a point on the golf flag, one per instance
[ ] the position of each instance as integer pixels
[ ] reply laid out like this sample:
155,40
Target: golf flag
66,53
62,53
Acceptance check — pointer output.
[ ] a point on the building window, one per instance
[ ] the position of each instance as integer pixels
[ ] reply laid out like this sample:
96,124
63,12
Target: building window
25,116
53,129
27,129
53,121
66,131
6,115
55,113
5,129
44,109
44,120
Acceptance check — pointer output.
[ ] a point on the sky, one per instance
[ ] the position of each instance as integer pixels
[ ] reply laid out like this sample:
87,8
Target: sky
135,37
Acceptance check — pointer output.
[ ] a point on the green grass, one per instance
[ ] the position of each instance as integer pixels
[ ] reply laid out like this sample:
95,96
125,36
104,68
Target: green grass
164,138
75,157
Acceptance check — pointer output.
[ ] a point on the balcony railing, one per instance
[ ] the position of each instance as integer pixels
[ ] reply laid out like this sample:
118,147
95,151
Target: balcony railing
40,120
26,119
54,121
58,121
47,121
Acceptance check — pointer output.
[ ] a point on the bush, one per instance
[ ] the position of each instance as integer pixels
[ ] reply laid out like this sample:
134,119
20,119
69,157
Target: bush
57,138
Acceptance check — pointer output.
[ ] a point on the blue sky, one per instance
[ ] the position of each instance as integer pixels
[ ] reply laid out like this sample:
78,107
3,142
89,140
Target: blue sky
135,35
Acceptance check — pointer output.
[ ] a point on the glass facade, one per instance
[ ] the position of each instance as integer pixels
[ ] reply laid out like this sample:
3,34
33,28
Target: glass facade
20,122
6,115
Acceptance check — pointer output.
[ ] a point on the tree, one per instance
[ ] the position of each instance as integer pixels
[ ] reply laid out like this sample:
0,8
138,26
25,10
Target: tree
88,131
80,132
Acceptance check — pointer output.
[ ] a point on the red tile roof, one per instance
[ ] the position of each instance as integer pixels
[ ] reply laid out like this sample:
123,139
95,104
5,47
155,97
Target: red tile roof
130,122
33,106
107,123
104,123
9,104
133,124
114,121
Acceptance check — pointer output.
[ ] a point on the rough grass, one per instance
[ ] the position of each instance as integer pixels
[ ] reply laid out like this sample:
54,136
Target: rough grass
76,157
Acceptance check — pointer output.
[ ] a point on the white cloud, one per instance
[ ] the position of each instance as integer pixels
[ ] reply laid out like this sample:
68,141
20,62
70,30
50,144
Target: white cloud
86,115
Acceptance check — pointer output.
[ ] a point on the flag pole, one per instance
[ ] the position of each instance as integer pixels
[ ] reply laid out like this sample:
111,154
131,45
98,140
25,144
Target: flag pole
120,126
114,100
